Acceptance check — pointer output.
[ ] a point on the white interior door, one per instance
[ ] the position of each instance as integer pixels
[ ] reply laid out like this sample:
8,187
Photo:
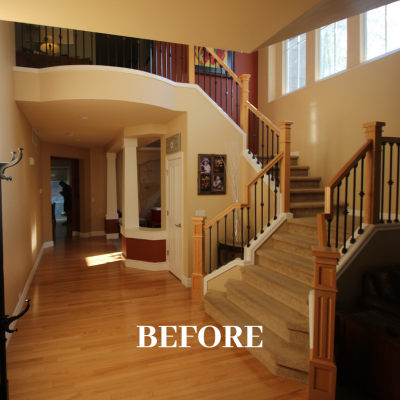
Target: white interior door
175,214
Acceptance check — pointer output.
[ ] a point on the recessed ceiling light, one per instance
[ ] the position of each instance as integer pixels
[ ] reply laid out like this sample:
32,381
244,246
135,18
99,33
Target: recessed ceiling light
70,134
84,117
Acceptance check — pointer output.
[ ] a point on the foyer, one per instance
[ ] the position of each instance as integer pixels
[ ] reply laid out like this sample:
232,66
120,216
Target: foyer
79,338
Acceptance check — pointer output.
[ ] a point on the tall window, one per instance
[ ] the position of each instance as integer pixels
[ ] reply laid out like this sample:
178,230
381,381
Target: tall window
333,48
382,30
295,63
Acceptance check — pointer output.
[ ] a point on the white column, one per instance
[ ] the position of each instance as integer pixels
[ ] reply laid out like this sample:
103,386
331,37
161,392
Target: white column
111,187
130,197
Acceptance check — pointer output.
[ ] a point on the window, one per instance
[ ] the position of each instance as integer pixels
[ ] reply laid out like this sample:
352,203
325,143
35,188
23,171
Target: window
382,30
295,63
333,48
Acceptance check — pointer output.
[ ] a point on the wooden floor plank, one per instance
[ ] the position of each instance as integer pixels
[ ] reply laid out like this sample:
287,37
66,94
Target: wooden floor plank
79,339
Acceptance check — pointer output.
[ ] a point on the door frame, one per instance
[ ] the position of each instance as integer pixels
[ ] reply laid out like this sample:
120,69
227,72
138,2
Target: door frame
168,158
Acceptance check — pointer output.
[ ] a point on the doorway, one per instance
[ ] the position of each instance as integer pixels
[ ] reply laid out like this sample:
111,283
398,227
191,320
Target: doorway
174,167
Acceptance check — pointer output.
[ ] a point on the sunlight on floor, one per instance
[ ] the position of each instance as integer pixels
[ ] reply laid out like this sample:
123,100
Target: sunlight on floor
103,259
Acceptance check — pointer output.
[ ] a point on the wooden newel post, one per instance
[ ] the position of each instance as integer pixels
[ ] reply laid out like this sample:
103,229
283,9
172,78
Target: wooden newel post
198,258
373,131
190,64
284,145
244,114
323,371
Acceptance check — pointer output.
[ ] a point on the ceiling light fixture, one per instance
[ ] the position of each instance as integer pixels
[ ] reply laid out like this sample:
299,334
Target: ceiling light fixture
84,117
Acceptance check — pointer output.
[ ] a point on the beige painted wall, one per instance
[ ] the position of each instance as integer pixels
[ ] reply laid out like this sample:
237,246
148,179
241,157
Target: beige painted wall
328,114
98,183
119,166
22,203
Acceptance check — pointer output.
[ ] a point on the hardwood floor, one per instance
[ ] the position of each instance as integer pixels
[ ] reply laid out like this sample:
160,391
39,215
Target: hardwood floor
78,341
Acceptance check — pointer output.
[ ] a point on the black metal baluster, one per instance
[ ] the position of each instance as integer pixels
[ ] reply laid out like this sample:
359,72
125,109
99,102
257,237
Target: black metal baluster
277,144
176,63
123,52
233,235
258,140
210,249
40,58
390,183
166,60
204,58
242,233
67,43
31,43
248,226
60,37
108,50
151,56
220,80
262,146
226,91
267,145
215,81
262,204
383,181
272,149
276,193
138,54
209,55
91,47
337,214
145,55
232,98
362,194
170,62
398,173
352,240
22,45
254,135
161,58
54,56
329,232
46,40
226,244
219,263
116,50
255,210
345,213
269,198
182,64
249,129
237,103
83,42
156,59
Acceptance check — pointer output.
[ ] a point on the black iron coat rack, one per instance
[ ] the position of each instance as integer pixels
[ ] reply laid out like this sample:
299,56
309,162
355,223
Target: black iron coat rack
6,320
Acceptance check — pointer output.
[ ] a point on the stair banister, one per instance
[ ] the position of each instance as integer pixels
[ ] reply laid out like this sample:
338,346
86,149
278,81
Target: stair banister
285,140
198,258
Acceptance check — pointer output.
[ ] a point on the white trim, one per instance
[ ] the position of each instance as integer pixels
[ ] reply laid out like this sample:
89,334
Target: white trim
295,153
317,54
112,216
21,303
363,37
144,233
88,234
112,235
147,266
187,282
362,241
249,252
284,67
168,158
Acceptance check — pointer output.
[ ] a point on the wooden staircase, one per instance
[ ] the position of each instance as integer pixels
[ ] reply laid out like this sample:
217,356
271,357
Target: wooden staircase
274,292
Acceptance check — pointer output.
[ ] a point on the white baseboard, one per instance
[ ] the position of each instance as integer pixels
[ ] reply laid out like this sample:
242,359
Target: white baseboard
187,282
21,303
112,235
147,266
88,234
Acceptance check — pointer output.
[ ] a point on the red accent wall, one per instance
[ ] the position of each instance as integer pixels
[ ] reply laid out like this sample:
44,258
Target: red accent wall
144,250
248,64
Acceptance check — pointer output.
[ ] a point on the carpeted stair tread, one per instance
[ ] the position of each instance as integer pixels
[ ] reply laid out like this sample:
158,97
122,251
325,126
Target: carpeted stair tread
307,221
262,306
307,191
289,286
308,204
305,178
296,239
275,353
290,260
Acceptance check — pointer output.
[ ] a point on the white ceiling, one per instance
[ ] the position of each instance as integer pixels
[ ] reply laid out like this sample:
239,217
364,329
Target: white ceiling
53,120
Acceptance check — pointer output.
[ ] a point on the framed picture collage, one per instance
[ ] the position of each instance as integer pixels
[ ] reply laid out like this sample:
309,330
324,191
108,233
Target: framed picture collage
211,174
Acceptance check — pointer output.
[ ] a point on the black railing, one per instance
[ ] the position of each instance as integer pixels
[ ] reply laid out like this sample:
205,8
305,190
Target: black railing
390,169
43,46
227,238
217,82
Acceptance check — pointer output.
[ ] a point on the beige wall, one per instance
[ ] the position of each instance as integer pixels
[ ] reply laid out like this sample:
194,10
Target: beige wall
22,203
328,114
98,195
119,168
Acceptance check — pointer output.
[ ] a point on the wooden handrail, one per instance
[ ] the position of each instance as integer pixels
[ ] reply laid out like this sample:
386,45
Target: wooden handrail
247,191
225,67
263,118
387,139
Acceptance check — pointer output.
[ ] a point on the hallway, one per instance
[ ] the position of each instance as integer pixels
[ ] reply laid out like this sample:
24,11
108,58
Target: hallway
78,341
